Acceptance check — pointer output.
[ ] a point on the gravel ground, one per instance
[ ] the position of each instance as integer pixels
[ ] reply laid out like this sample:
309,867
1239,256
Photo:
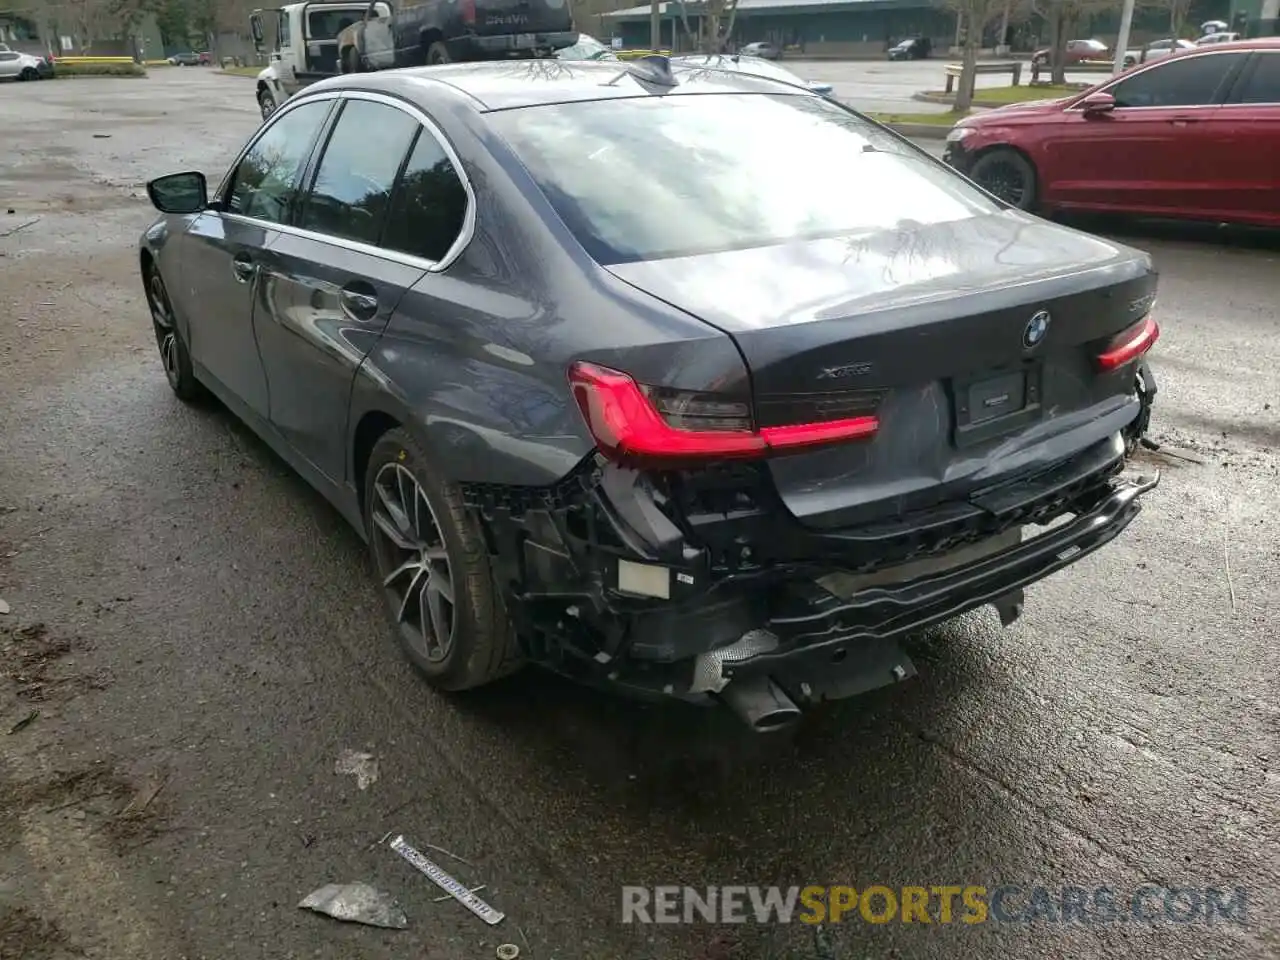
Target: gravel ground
193,639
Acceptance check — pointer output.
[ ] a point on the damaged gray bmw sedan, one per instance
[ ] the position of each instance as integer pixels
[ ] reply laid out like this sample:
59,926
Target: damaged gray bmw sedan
690,384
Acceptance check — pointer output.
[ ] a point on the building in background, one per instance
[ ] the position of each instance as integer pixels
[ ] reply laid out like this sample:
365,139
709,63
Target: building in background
867,28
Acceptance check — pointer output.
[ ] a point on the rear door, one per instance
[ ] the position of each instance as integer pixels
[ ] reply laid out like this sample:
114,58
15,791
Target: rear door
1252,122
328,288
1161,151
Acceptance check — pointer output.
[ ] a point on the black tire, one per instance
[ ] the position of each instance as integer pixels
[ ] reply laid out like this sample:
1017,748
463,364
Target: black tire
28,74
351,60
438,53
266,103
412,556
174,356
1008,174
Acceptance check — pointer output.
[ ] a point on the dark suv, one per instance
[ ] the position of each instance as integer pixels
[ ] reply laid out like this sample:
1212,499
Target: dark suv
443,31
913,48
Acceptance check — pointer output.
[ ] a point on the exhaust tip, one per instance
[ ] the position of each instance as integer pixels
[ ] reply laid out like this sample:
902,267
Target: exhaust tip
761,704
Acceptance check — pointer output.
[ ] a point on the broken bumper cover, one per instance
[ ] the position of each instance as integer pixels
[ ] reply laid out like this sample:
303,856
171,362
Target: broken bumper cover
616,582
822,631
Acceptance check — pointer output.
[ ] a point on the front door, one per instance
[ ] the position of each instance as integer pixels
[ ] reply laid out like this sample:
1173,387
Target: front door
1159,151
223,250
328,289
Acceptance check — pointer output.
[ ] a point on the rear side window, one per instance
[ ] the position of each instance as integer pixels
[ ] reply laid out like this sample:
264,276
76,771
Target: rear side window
266,182
352,189
644,179
430,203
1190,82
1262,83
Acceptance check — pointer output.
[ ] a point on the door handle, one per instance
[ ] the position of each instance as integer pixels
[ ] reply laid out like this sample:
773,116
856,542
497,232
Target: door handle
1183,121
243,267
359,301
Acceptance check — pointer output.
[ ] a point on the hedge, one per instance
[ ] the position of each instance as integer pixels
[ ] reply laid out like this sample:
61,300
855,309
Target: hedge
98,70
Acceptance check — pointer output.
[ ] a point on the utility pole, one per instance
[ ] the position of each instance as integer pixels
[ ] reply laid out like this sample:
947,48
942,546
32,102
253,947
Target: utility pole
655,26
1122,41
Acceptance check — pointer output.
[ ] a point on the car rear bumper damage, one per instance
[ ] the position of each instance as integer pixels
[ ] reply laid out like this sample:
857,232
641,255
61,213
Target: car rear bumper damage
705,588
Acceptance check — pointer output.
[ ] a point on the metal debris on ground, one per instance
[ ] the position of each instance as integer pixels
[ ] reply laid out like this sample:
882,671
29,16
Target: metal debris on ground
445,882
450,897
356,903
24,722
22,226
362,766
508,951
4,607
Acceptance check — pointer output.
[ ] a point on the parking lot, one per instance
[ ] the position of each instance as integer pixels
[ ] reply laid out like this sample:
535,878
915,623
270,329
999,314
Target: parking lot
884,87
193,639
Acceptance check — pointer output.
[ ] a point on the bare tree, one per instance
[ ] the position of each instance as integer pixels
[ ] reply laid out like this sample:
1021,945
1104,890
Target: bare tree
716,29
974,17
1062,17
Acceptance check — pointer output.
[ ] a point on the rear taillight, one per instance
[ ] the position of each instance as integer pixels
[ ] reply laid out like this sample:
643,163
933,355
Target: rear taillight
1129,344
632,422
468,10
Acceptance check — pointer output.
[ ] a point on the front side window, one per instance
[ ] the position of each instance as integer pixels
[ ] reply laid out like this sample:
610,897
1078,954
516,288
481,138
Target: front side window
357,171
266,183
1179,82
430,203
284,29
643,179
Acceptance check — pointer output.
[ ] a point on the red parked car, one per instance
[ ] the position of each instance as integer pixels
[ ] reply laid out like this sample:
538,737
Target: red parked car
1194,135
1076,51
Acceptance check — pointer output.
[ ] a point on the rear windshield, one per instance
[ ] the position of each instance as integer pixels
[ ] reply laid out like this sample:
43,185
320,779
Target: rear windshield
655,177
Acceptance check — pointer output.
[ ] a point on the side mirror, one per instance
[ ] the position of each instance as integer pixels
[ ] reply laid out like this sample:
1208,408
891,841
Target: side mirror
255,28
179,193
821,89
1096,104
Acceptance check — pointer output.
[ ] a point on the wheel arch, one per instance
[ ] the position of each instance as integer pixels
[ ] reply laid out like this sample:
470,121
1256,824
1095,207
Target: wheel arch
371,426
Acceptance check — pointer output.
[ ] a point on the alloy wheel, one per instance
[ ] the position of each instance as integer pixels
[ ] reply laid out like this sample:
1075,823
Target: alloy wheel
1006,181
413,562
165,329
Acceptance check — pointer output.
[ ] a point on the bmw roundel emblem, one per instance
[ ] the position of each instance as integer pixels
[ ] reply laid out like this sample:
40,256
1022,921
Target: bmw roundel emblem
1035,330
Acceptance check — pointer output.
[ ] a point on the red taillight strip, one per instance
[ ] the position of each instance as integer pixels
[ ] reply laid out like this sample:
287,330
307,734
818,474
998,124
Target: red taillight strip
625,424
808,434
1128,346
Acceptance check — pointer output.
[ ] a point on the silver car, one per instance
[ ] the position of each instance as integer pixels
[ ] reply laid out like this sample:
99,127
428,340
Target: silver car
22,66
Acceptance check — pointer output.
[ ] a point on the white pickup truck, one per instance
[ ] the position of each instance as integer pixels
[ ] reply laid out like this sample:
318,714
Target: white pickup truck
305,47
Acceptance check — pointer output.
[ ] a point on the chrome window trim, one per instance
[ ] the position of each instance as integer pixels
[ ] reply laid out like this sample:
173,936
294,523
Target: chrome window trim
460,243
1180,57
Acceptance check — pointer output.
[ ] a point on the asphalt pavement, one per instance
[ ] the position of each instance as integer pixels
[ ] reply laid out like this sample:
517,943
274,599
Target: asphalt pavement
193,638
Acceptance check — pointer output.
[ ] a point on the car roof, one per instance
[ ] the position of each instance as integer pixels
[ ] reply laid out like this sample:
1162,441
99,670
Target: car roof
508,84
1257,43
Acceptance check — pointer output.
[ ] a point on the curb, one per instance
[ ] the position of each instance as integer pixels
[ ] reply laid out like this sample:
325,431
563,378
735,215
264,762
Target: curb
920,131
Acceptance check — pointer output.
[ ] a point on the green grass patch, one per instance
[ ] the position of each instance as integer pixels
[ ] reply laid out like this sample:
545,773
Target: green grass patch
243,71
944,119
62,70
1019,94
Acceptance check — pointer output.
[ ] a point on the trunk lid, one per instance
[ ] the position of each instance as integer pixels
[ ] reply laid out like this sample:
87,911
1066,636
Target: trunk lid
931,328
